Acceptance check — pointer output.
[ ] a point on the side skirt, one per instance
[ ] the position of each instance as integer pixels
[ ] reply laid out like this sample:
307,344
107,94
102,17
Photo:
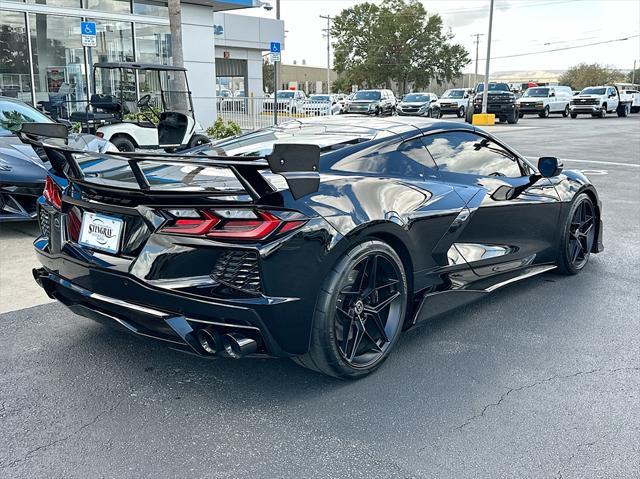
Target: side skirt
435,304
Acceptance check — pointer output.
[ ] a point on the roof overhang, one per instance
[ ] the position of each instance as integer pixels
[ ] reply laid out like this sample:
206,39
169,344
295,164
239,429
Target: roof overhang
222,5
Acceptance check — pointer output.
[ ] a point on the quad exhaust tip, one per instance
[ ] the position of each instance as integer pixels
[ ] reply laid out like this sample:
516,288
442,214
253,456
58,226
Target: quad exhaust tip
209,341
237,346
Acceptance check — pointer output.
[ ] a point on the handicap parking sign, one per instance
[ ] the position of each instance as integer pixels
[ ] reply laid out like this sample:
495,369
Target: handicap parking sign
275,47
87,28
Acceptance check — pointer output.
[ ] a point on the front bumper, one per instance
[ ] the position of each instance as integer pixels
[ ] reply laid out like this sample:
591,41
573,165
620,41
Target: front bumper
412,113
498,109
585,108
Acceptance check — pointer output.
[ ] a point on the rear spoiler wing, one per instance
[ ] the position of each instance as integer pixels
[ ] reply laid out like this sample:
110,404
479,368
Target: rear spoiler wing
297,163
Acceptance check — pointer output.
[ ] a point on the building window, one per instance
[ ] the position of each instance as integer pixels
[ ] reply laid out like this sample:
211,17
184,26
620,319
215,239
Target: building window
58,3
153,44
155,8
111,6
58,61
114,41
15,80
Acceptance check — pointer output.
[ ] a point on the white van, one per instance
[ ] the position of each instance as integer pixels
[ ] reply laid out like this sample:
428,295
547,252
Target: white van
544,100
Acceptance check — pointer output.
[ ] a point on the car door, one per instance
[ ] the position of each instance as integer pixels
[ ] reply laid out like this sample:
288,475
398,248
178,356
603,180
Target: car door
553,100
612,101
514,212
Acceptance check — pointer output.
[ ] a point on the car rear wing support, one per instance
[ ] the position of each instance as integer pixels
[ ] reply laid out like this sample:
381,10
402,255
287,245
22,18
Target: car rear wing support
297,163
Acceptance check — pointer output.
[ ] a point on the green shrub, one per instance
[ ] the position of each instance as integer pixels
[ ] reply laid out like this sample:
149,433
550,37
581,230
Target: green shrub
220,129
153,116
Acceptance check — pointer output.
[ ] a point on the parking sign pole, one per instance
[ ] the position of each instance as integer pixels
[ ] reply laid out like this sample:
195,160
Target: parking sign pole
485,91
275,93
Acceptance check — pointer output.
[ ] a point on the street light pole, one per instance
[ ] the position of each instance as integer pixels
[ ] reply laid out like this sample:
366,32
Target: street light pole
485,90
328,30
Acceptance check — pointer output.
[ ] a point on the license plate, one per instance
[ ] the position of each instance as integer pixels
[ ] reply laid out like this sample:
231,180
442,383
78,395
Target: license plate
101,232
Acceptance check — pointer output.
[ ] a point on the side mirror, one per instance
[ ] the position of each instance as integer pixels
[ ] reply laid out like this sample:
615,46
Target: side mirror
549,166
552,94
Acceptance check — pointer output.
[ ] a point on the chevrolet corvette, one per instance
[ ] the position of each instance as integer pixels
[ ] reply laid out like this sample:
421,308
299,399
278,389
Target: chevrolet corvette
319,239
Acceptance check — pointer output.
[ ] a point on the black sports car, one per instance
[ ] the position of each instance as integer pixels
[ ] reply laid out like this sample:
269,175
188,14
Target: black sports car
319,239
22,170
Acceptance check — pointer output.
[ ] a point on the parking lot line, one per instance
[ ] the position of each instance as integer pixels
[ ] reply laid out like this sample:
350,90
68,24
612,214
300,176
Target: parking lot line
595,162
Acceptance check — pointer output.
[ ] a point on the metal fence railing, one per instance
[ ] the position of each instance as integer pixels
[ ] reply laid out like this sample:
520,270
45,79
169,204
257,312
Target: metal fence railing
253,112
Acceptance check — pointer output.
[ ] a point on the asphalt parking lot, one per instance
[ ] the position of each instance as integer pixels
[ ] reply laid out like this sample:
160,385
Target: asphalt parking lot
542,380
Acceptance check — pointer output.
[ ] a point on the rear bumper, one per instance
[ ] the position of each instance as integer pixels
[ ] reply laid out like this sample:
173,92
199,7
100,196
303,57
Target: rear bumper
127,302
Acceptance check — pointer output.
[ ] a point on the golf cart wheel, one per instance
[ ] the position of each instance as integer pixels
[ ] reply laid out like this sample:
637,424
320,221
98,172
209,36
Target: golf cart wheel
123,144
197,140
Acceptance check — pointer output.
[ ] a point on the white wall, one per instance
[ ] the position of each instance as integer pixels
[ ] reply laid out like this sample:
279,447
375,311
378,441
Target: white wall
199,60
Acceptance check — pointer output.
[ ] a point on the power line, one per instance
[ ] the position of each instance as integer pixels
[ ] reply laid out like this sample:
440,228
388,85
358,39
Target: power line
565,48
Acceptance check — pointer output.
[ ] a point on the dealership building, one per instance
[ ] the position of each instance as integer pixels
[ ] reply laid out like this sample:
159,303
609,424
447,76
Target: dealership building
42,57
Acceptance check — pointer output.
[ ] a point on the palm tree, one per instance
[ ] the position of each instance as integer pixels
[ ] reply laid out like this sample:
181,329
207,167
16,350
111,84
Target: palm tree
175,26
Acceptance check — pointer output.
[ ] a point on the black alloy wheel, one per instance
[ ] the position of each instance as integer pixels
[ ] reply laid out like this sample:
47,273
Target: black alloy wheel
368,311
359,313
580,233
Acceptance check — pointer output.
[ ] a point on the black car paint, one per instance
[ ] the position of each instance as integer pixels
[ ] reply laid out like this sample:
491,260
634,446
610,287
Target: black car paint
421,218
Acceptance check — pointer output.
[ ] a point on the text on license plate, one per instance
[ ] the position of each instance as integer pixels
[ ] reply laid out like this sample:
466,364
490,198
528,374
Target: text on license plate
101,232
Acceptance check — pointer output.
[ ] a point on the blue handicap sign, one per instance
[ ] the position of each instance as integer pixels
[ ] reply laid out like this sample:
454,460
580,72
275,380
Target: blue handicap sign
87,28
275,47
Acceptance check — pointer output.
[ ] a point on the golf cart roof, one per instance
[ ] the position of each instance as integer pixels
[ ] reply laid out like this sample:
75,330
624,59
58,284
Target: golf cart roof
138,66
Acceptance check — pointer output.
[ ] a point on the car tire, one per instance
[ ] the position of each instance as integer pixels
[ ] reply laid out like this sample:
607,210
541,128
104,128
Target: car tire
544,113
344,356
520,115
197,140
461,112
123,144
565,112
513,119
574,115
603,111
578,235
623,111
635,109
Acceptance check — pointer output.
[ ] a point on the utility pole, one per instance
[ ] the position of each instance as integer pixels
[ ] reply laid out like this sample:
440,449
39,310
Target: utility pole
475,75
328,30
276,65
633,73
485,90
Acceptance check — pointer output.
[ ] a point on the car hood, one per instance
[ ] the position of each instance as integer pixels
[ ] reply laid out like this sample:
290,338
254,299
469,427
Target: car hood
20,164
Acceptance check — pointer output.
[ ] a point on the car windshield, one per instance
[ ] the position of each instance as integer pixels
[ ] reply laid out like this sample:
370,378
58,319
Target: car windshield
417,97
14,114
453,94
493,87
593,91
324,98
367,95
285,94
537,92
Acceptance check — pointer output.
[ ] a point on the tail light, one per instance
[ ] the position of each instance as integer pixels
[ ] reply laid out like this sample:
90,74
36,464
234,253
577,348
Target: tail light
233,223
52,193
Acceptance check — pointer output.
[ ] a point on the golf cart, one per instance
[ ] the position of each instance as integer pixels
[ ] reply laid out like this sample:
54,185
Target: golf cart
130,100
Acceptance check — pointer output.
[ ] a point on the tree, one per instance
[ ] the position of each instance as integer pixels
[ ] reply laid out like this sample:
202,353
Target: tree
175,27
267,76
396,41
634,76
583,75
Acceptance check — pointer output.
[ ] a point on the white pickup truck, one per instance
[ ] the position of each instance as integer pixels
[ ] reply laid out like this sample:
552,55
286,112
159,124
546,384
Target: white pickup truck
597,101
635,99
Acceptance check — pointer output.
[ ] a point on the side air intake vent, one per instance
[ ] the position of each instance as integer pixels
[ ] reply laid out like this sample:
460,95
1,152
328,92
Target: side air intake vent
239,270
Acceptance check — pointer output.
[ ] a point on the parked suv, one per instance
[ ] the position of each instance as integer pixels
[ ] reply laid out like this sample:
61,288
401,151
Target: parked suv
598,101
501,101
545,100
288,101
453,101
417,104
372,102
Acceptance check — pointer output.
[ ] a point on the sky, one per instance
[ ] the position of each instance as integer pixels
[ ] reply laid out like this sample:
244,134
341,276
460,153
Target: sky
519,27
